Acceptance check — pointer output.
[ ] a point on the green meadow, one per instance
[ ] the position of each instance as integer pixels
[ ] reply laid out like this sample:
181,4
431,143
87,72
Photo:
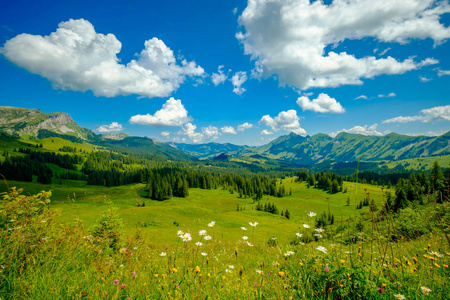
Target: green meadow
159,219
92,242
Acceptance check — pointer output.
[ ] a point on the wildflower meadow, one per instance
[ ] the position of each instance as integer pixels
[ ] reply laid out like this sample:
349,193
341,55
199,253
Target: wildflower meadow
44,257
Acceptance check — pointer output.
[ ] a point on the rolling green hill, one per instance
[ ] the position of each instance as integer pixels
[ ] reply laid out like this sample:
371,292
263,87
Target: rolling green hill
344,147
207,151
319,151
32,124
322,151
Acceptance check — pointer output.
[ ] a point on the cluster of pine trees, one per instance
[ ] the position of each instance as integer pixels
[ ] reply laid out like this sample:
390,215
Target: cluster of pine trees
71,176
22,168
271,208
111,169
327,181
167,182
367,202
377,178
418,186
324,220
255,186
64,161
267,207
69,149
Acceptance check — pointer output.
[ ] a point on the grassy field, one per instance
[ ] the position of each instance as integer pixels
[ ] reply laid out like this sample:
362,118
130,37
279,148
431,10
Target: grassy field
158,219
53,255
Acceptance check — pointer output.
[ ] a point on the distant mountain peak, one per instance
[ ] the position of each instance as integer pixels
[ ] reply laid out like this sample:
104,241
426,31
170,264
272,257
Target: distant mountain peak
31,123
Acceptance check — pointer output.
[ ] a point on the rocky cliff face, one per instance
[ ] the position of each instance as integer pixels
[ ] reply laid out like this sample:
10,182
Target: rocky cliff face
8,111
27,122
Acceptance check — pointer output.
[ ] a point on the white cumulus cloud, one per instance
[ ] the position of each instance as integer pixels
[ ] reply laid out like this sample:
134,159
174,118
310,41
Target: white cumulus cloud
189,130
165,134
390,95
364,130
209,133
238,80
113,127
437,113
286,120
291,39
244,126
218,78
172,113
228,130
266,132
322,104
75,57
443,72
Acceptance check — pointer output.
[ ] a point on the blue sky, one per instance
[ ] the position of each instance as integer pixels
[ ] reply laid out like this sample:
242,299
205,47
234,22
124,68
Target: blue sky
231,71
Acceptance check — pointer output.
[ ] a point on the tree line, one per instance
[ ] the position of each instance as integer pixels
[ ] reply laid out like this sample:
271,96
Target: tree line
22,168
417,187
327,181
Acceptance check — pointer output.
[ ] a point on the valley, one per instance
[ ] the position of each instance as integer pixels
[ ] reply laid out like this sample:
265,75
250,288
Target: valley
141,218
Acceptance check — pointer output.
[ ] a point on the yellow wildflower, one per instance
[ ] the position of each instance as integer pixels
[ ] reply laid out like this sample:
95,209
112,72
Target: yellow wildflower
342,261
281,273
197,269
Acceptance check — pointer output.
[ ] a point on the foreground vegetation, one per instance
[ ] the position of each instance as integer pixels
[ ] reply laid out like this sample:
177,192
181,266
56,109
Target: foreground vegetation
48,253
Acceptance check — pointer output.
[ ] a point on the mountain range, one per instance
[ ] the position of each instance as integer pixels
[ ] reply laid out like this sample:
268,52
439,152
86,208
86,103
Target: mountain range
292,148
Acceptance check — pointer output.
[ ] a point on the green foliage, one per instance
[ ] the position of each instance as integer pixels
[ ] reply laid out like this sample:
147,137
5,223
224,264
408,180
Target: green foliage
272,242
21,208
410,223
109,228
267,207
327,181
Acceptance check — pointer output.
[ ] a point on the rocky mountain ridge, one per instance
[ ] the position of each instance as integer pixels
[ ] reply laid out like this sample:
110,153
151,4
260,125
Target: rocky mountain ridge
27,123
291,148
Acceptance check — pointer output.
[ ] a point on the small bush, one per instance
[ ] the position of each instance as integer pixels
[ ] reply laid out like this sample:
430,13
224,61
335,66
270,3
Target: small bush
409,223
109,228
